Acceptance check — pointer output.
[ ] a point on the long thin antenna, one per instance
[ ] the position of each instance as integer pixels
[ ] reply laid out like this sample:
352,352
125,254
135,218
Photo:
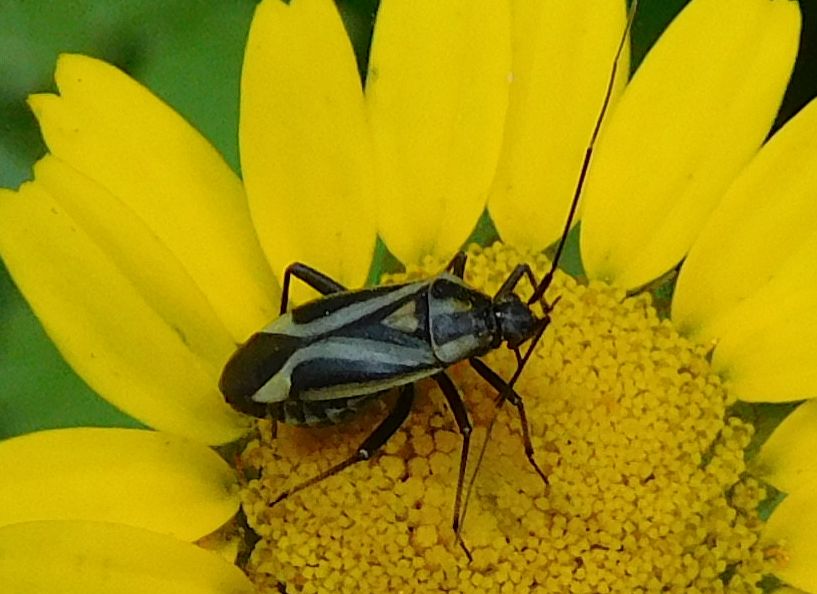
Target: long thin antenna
588,153
539,292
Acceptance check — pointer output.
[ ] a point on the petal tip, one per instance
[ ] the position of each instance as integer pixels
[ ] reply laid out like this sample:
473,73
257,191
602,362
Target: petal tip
69,60
38,102
74,69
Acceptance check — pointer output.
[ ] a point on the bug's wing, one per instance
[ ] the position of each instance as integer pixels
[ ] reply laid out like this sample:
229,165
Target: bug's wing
341,367
388,348
253,365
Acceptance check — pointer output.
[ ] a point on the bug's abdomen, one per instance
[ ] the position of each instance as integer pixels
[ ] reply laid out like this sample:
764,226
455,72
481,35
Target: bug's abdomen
316,413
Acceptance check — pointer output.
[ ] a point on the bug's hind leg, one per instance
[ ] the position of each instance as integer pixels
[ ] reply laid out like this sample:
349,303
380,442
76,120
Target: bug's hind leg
507,392
457,406
384,431
325,285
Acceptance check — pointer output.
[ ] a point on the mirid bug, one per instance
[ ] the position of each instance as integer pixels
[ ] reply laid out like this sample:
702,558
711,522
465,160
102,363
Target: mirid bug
319,363
322,361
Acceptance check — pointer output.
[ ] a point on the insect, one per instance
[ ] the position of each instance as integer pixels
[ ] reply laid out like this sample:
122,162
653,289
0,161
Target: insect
321,362
324,360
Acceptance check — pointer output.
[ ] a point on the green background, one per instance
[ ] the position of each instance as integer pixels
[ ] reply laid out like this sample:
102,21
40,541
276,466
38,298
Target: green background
189,53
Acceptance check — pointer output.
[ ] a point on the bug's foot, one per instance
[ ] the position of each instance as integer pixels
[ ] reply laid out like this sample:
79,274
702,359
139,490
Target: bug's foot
280,498
458,536
536,467
541,474
465,550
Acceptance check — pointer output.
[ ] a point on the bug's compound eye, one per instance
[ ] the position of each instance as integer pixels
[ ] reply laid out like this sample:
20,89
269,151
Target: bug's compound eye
515,320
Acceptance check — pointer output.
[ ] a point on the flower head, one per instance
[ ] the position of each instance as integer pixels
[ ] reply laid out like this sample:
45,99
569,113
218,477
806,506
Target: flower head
630,414
645,465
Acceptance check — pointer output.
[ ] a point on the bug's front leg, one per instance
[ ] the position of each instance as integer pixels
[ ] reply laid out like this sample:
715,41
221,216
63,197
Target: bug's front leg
457,264
513,279
384,431
325,285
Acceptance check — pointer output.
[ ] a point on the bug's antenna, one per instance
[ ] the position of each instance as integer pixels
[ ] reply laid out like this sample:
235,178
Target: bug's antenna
588,153
539,291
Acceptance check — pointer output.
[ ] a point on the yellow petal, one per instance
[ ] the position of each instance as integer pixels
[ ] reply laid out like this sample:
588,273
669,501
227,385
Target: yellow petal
113,130
305,151
562,59
437,91
155,273
102,324
696,111
99,558
227,543
792,529
788,458
749,282
146,479
770,357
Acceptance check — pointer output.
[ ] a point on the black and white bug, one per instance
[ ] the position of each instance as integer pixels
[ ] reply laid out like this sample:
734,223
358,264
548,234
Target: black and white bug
322,361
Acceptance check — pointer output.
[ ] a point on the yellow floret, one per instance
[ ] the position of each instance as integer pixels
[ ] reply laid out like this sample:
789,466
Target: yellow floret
647,485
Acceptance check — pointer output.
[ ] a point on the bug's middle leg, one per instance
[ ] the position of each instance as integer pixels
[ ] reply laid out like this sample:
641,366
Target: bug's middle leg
457,406
316,279
507,392
384,431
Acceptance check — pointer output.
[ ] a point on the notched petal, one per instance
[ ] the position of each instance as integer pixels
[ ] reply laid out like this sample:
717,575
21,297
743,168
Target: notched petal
115,132
119,337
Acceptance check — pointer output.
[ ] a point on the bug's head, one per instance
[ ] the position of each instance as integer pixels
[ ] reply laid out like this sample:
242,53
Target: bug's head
515,320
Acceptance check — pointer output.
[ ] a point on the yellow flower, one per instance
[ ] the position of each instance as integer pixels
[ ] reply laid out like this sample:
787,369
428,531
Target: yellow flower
146,262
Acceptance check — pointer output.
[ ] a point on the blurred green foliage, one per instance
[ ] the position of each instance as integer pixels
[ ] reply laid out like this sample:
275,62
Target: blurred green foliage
189,53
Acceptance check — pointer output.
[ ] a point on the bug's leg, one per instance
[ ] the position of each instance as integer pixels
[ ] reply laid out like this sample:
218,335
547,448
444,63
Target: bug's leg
274,414
315,279
507,392
370,446
457,406
513,279
247,539
457,264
